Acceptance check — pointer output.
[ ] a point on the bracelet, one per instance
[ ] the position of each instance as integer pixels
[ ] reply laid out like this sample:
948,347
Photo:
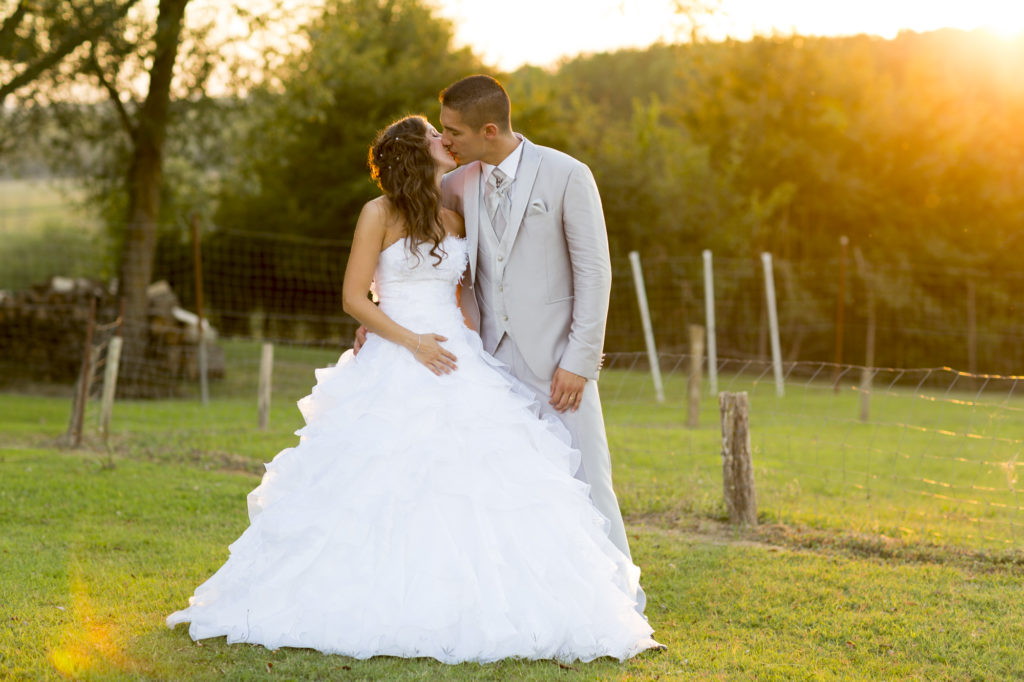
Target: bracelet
419,340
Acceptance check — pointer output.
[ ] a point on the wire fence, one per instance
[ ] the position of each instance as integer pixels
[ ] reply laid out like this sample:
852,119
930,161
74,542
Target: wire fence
923,316
928,455
288,286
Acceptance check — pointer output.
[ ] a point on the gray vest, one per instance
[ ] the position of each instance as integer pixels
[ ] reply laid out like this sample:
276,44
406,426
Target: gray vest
490,271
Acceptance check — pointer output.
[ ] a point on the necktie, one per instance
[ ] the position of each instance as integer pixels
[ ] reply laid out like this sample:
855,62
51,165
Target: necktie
497,200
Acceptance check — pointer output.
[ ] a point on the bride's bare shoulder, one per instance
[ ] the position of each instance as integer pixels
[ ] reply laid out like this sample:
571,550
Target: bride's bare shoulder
378,223
380,206
453,222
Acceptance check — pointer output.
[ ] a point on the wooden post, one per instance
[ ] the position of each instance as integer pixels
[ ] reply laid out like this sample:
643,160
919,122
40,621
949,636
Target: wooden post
109,384
693,383
762,324
197,257
737,466
263,393
869,343
74,435
709,316
840,305
773,322
645,319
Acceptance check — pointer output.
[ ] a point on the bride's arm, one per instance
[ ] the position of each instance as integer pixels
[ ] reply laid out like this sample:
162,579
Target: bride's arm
362,261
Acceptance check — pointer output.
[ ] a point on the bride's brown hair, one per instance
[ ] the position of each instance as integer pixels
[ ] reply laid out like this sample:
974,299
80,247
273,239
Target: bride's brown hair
405,171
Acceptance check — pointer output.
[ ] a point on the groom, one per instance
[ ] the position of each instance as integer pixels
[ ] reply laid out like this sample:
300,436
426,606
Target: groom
539,274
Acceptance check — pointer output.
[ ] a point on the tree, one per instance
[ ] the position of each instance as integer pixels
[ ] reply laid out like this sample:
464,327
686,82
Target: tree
368,63
55,42
39,36
148,135
118,77
304,171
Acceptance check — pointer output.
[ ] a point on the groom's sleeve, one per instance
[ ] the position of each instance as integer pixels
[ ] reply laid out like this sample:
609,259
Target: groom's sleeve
587,237
449,197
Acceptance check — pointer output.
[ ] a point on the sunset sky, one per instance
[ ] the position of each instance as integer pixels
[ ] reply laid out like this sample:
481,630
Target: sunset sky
540,31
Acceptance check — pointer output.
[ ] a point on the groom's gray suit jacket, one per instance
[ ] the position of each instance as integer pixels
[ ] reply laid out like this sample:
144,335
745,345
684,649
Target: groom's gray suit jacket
547,282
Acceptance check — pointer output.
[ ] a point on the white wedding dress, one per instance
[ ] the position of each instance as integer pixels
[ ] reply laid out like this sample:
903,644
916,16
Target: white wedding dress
422,515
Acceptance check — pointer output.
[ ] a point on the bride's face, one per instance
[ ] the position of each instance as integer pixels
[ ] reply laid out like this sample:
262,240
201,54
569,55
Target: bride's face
442,157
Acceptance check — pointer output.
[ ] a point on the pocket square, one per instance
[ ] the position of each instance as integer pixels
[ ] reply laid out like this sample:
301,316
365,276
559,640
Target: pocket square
537,206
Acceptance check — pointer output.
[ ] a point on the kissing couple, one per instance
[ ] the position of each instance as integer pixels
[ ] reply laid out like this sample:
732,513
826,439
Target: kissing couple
451,494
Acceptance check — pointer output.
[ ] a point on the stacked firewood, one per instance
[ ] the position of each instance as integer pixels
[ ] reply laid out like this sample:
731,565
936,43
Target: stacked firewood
42,333
174,337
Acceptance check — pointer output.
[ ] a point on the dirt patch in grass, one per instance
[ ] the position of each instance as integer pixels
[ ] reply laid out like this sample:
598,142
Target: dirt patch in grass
779,536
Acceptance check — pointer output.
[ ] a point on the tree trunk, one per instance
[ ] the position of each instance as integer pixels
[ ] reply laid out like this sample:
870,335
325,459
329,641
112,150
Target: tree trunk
144,183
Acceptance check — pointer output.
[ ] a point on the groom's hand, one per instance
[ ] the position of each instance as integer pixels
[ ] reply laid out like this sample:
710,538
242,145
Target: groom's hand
567,390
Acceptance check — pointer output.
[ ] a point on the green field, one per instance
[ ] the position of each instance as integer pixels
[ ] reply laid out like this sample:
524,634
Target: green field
859,570
46,230
934,464
30,205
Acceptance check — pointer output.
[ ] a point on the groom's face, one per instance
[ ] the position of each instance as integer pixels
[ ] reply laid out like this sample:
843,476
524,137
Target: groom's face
465,143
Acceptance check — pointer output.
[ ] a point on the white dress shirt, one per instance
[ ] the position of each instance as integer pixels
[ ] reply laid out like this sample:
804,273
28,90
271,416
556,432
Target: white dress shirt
508,166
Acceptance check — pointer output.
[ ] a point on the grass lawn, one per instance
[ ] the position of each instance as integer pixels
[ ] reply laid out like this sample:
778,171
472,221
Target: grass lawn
95,557
937,461
97,547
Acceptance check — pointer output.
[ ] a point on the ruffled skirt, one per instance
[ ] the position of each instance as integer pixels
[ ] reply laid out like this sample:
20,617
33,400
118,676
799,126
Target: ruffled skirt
424,516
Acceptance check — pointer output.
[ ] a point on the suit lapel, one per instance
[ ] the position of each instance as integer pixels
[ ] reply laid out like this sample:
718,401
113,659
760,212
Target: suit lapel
471,212
526,176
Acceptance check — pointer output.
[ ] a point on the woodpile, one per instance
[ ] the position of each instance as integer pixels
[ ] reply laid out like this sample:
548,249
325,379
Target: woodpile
42,333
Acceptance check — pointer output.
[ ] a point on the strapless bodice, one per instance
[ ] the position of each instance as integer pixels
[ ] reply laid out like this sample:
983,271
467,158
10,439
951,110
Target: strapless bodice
413,287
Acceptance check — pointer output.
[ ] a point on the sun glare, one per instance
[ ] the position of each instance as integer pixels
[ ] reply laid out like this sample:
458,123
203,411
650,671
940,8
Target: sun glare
744,18
1010,24
1002,17
510,39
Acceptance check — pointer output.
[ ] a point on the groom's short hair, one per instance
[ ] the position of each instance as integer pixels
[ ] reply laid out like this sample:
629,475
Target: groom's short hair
479,100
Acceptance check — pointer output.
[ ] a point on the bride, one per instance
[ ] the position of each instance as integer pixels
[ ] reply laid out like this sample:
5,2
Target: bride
427,509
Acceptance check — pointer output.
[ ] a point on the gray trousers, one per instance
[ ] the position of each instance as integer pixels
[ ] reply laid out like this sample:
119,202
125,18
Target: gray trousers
586,426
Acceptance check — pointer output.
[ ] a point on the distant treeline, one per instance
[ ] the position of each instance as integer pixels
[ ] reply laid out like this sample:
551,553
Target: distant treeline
910,147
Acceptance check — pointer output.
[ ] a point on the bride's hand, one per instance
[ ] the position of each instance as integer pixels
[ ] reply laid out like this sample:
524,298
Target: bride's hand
428,350
360,339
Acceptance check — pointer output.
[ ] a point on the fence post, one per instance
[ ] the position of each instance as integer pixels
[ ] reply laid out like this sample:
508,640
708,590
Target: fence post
773,322
709,317
74,435
737,466
263,392
869,341
645,319
197,257
694,379
109,384
840,305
